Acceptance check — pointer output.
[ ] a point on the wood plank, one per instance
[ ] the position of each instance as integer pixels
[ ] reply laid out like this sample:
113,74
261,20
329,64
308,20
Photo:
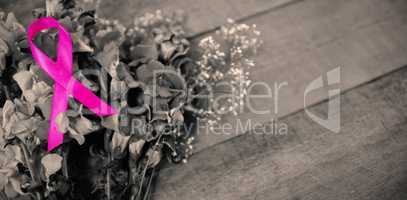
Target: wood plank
303,41
366,160
203,16
22,9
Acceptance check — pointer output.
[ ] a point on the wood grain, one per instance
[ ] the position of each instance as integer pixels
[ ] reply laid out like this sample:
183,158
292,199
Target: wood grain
365,38
366,160
203,16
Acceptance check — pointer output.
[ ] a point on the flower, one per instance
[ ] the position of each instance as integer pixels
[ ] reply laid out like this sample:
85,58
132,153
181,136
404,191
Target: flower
229,65
154,157
12,32
52,163
10,178
36,92
119,143
18,119
76,125
135,147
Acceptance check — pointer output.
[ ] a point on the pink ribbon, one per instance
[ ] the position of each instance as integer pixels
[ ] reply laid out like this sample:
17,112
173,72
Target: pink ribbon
65,84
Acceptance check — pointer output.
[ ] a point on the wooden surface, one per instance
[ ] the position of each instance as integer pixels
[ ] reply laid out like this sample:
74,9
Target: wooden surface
203,16
21,8
303,41
366,160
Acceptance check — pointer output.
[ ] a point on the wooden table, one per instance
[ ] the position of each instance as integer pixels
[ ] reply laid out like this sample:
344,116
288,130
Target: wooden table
303,40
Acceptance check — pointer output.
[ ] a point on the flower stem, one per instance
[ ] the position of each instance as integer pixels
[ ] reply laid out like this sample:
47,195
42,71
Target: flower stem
109,158
65,161
148,190
3,195
29,166
27,161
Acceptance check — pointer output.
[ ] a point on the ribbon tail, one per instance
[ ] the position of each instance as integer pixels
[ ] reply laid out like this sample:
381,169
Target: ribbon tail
59,104
90,100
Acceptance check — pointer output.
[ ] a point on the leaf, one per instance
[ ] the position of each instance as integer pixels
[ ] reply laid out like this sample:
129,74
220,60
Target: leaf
45,106
111,122
52,163
62,122
8,110
47,42
38,12
42,130
135,148
117,88
185,65
3,181
14,153
84,126
146,72
87,18
123,73
2,62
154,157
9,169
144,51
41,89
23,45
14,25
10,125
30,96
174,79
88,83
24,107
164,92
24,128
68,24
160,125
178,117
40,75
76,136
10,191
104,38
109,58
53,7
38,93
17,182
119,142
24,79
167,49
80,46
4,50
6,35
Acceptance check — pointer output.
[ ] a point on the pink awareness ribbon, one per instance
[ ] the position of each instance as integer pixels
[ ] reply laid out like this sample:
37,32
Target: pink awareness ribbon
65,84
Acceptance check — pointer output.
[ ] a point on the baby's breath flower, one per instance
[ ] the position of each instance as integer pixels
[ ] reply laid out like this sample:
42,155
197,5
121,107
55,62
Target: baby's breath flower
229,64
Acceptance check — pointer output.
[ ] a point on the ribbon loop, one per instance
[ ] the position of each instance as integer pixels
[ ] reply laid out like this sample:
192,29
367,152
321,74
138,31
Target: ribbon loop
61,72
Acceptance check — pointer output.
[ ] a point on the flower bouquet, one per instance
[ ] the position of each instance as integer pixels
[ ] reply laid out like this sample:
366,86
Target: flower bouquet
158,82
